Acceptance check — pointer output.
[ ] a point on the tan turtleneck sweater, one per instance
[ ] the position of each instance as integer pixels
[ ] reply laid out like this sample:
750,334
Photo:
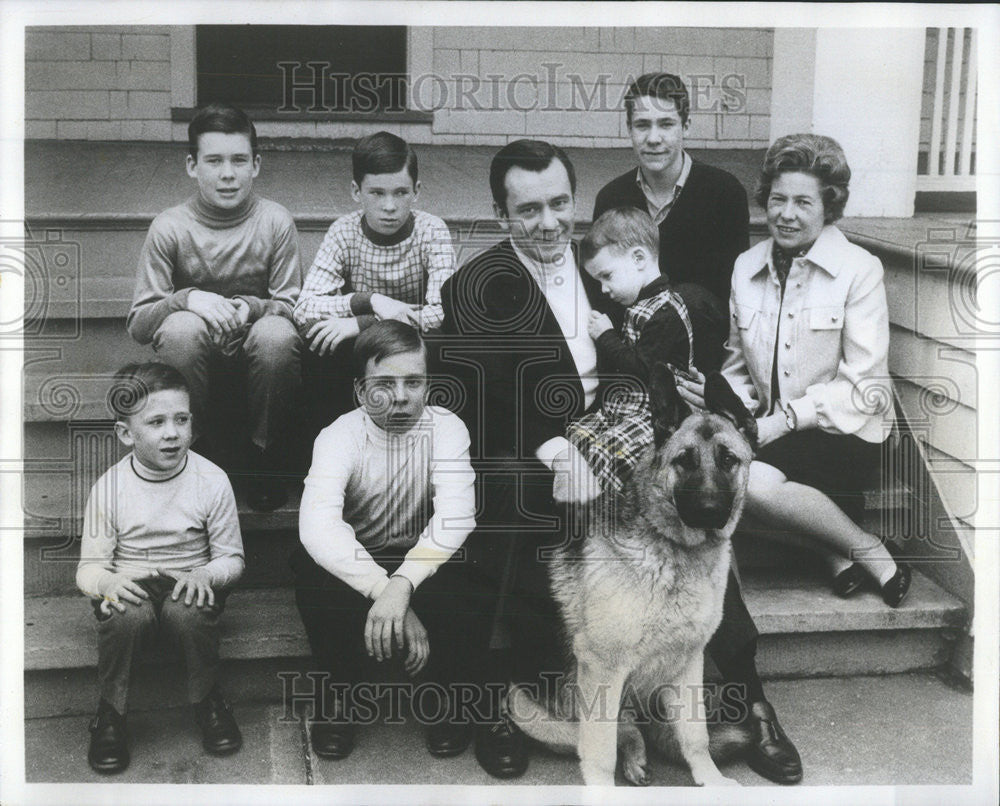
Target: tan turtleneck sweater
250,253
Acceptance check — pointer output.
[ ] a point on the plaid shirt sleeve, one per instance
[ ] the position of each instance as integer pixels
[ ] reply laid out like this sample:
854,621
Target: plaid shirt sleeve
438,256
322,292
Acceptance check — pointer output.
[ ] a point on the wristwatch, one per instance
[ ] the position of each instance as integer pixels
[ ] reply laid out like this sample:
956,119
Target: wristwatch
790,419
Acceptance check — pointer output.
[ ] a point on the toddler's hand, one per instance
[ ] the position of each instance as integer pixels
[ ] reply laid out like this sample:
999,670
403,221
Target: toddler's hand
691,388
598,323
574,482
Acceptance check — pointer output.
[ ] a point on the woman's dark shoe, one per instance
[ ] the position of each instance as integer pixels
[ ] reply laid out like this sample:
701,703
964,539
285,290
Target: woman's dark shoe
895,590
220,734
108,752
849,580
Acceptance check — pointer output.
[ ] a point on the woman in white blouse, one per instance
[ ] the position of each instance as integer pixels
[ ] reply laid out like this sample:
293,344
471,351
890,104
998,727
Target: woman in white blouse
807,353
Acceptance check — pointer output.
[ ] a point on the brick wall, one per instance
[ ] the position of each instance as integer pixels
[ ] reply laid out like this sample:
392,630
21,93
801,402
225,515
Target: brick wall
98,83
491,85
486,86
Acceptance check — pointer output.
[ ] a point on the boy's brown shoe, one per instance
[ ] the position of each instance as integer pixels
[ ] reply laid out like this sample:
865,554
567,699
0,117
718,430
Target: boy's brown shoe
220,735
108,752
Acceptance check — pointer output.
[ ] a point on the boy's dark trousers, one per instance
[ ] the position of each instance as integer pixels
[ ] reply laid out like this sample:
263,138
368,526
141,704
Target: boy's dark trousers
454,607
193,630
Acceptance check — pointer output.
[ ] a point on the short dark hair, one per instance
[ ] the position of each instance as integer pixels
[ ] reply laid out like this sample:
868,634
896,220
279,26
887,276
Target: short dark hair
383,339
529,155
223,118
813,154
622,228
383,153
134,383
664,86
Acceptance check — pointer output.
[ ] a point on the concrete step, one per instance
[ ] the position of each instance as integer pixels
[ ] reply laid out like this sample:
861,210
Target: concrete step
805,631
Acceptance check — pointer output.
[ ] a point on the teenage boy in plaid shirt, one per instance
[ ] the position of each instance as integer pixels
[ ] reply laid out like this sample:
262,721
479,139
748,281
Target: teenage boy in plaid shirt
384,261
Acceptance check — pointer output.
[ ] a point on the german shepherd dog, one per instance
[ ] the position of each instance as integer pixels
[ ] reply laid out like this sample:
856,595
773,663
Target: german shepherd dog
640,599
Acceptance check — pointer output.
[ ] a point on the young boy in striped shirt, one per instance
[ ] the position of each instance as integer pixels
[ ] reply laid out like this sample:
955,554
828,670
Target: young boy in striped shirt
384,261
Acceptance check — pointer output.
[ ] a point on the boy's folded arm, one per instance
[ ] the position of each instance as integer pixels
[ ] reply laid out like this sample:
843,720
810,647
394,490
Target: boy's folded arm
155,297
94,574
454,518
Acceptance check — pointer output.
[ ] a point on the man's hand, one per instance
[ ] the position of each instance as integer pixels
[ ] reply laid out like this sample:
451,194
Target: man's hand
389,308
324,336
771,427
574,482
123,589
196,583
691,388
219,313
417,645
597,324
386,617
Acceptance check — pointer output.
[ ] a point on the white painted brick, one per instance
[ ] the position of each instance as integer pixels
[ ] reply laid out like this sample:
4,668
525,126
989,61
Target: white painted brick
517,38
670,63
447,62
106,46
566,141
417,133
758,101
142,75
723,65
71,129
65,75
118,105
760,127
755,42
735,127
485,140
469,61
47,45
758,72
507,63
39,129
132,129
482,123
652,63
447,139
178,132
104,130
583,97
696,65
579,124
67,105
702,127
429,91
149,105
617,40
146,47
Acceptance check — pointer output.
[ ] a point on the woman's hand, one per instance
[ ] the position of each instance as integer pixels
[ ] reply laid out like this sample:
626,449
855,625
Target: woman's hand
691,388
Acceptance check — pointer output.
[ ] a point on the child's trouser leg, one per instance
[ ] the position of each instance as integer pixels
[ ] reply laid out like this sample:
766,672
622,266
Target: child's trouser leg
120,638
184,342
272,349
195,632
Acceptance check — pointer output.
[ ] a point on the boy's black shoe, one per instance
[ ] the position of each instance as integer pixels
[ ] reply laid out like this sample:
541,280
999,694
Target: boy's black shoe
502,749
108,751
333,740
220,735
445,739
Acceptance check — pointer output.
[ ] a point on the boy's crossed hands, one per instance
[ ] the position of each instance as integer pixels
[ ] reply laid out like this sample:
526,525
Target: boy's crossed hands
326,334
125,588
392,620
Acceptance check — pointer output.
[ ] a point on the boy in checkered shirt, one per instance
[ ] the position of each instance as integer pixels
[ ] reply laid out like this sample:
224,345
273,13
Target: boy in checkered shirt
621,251
384,261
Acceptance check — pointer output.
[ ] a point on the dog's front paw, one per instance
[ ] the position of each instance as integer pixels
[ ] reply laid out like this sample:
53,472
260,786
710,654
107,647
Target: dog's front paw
636,772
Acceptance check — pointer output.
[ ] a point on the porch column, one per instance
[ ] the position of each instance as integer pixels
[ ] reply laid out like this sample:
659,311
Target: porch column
863,88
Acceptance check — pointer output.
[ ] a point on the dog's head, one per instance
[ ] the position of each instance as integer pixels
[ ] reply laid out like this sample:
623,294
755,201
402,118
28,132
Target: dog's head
701,460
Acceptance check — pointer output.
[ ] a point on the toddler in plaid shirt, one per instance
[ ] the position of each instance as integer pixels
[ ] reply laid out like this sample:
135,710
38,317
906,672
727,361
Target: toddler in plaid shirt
621,252
384,261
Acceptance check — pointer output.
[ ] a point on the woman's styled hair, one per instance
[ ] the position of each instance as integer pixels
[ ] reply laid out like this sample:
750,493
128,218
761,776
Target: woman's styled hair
812,154
223,118
134,383
622,228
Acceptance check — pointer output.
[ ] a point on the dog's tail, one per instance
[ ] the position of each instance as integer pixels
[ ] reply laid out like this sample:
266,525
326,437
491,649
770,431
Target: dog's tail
541,724
725,742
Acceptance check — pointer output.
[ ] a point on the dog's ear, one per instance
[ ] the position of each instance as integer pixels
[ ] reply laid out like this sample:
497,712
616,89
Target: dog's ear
721,399
666,404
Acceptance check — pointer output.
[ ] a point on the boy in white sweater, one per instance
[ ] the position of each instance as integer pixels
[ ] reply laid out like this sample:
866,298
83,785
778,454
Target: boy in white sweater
388,501
161,547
